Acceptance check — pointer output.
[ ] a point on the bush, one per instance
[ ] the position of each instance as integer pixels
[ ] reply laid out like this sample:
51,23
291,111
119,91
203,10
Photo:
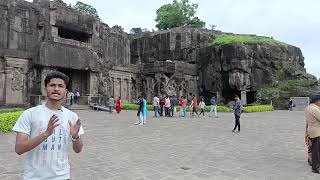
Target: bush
10,110
257,108
7,120
135,107
130,107
225,39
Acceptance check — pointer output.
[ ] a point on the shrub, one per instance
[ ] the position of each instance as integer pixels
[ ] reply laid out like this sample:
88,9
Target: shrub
258,108
10,110
7,120
130,107
135,107
224,39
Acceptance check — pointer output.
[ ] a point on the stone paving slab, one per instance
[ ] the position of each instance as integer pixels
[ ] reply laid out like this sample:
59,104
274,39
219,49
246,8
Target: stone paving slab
270,146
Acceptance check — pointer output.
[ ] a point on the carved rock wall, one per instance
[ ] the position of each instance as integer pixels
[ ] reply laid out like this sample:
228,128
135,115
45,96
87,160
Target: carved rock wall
174,44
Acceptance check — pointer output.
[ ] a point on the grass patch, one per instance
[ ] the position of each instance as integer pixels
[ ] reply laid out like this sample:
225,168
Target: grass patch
257,108
226,39
10,110
7,120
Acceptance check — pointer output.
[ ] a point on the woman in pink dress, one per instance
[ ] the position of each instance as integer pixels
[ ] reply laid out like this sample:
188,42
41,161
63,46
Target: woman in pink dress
118,105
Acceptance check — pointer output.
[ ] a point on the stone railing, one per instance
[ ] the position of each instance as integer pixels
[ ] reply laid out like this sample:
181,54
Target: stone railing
36,100
71,42
159,67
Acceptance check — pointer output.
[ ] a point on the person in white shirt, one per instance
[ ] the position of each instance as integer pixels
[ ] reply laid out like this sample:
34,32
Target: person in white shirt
202,105
45,133
71,98
76,96
156,105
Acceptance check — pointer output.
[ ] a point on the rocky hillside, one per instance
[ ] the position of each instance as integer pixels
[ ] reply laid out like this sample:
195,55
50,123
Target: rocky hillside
263,67
228,64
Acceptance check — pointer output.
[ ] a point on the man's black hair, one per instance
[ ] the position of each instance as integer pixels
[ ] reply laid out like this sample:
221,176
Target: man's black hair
315,98
56,74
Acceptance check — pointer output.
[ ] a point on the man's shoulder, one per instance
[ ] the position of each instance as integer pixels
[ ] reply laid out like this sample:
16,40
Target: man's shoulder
67,111
34,109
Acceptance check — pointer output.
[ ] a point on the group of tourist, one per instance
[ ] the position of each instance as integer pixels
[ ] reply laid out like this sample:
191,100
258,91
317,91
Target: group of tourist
71,97
110,104
168,105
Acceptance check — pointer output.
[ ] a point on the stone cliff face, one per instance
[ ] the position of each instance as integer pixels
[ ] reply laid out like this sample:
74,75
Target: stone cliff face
227,69
230,69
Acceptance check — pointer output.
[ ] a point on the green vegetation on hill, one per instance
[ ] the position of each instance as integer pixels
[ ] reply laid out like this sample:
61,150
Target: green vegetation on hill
288,81
225,39
7,120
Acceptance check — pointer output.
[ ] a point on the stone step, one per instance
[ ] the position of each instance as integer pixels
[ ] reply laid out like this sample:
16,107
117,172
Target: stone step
79,107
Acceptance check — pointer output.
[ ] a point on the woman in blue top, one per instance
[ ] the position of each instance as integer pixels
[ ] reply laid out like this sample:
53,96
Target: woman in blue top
144,111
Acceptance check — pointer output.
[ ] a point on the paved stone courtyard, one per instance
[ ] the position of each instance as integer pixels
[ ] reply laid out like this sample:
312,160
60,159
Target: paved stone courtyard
270,146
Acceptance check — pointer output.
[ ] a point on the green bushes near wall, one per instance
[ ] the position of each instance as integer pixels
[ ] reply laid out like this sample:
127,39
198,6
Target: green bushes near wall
10,110
7,120
257,108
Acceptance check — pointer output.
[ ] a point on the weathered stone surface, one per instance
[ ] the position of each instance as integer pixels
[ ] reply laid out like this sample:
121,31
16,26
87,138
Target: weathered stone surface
174,44
53,36
232,68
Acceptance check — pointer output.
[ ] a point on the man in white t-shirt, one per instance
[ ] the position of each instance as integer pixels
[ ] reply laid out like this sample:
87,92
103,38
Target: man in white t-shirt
155,103
46,132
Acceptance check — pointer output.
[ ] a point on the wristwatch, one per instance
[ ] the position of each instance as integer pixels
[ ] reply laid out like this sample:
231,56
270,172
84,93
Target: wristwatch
75,139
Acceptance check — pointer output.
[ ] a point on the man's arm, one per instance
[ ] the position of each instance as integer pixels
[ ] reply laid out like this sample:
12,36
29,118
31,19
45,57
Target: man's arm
77,145
316,113
24,144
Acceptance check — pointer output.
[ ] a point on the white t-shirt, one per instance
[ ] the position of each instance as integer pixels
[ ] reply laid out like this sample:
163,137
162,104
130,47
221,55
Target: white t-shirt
49,160
202,104
155,101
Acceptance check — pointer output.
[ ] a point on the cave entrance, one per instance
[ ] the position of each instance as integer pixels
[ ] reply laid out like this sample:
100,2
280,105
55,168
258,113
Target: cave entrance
78,80
73,34
228,94
251,97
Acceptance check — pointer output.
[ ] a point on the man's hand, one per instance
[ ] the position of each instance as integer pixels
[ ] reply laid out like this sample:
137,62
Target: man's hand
74,128
51,125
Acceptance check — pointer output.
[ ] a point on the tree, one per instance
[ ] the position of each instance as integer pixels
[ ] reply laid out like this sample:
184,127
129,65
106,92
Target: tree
138,30
118,28
178,13
87,10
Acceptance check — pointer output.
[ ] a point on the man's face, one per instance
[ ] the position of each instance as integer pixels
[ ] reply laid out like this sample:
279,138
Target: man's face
56,89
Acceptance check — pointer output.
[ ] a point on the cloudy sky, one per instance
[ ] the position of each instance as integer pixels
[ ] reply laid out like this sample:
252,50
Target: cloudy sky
296,22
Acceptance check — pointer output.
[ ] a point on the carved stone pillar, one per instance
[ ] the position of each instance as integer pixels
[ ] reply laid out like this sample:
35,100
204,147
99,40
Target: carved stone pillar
244,97
15,80
129,90
44,73
93,83
2,82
